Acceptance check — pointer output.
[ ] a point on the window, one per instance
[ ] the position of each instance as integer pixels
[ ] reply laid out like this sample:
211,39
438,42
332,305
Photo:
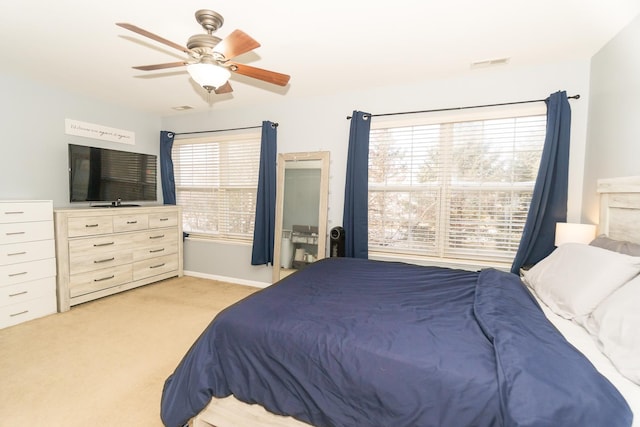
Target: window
216,184
454,187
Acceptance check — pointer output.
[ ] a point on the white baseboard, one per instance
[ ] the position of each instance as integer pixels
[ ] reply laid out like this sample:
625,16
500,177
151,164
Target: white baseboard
235,280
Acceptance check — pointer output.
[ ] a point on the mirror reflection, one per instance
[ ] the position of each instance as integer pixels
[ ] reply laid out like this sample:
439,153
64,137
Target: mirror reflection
301,213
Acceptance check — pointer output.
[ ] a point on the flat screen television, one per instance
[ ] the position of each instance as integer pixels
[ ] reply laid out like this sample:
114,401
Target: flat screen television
111,176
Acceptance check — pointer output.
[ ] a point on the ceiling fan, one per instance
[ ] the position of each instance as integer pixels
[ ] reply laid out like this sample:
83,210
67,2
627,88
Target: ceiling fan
209,62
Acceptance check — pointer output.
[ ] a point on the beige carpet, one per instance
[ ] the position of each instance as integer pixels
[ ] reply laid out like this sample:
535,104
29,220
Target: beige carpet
104,362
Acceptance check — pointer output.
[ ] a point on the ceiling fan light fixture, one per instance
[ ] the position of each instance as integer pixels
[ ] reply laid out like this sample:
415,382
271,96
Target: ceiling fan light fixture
209,76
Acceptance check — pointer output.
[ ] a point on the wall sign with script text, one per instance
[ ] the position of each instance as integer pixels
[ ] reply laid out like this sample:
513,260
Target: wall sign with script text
90,130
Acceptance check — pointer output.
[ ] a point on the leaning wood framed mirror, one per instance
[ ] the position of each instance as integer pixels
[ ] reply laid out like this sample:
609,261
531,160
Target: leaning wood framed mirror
301,211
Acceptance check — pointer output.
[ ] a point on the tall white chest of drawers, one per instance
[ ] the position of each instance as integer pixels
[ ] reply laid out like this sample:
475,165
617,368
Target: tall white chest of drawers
102,251
27,261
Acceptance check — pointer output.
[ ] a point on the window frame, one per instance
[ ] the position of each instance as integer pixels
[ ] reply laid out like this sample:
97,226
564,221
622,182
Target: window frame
441,253
224,174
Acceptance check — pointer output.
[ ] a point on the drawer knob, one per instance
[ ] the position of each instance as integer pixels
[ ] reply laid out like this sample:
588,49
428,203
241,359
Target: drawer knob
156,250
17,253
18,313
17,274
157,237
97,245
18,294
157,266
98,261
104,278
164,219
13,233
13,212
132,222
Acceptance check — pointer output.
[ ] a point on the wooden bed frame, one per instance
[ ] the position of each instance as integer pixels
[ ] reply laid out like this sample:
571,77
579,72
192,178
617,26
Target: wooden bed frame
619,215
230,412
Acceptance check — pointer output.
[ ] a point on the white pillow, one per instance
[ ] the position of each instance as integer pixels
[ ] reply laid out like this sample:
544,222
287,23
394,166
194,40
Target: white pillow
617,320
576,277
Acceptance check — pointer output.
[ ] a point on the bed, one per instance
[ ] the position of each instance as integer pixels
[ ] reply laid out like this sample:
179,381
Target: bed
349,342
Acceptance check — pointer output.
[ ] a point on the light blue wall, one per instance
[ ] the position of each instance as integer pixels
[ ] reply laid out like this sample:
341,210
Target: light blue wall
33,149
33,156
319,124
613,145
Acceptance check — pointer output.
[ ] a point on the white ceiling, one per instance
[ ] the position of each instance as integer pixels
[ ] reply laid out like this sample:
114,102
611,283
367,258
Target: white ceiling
326,46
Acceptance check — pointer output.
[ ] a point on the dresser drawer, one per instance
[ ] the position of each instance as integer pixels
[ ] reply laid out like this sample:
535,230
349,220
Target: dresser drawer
27,271
155,250
154,266
85,283
91,262
132,222
89,226
26,231
28,251
99,245
26,211
159,220
21,312
155,237
25,291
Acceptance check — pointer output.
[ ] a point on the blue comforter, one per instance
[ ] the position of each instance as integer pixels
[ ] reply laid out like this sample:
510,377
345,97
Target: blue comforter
350,342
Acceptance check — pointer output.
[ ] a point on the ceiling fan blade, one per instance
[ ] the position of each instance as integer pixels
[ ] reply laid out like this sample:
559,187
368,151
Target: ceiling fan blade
152,36
236,43
260,74
225,88
160,66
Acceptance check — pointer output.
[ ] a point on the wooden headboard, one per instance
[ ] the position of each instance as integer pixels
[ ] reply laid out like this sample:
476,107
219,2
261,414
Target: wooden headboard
620,208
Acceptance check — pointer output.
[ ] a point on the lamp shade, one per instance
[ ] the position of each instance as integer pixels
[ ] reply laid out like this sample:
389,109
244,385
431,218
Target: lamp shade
567,232
209,76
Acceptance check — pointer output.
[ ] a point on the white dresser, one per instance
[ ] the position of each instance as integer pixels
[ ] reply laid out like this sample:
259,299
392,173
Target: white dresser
102,251
27,261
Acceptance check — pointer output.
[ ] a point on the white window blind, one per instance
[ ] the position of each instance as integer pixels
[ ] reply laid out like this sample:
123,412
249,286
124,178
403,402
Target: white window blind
453,189
216,184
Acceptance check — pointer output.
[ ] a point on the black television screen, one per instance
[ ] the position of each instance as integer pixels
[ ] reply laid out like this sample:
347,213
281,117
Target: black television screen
103,175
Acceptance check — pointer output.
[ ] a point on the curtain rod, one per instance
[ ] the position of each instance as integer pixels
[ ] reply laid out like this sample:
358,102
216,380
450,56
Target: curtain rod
462,108
223,130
